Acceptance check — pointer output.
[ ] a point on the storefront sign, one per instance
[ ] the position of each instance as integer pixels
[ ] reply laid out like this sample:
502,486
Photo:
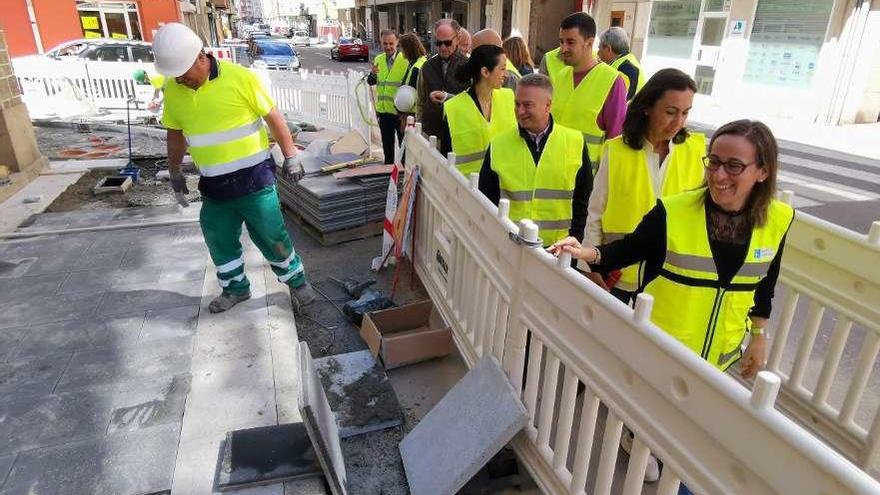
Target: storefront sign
89,22
738,27
119,36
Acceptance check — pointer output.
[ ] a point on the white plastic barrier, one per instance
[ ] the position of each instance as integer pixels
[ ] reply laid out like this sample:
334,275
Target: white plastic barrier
831,276
709,431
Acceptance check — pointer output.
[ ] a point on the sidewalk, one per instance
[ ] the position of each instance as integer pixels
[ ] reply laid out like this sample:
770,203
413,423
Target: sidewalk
859,140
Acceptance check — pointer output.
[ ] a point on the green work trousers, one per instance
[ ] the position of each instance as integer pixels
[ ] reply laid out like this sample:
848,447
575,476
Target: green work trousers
260,212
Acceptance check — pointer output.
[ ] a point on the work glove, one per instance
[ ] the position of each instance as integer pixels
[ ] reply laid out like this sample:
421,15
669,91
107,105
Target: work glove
292,168
178,185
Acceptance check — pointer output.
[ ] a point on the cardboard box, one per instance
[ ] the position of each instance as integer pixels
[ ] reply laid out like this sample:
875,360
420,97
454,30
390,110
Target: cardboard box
406,334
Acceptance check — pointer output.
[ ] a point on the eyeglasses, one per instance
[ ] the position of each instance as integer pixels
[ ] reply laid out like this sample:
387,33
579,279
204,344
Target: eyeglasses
731,167
440,43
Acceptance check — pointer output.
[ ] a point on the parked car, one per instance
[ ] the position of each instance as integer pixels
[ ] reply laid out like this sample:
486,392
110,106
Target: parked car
347,48
273,55
104,50
300,38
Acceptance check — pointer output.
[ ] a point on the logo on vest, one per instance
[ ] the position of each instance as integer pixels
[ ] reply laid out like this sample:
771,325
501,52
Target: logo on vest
763,253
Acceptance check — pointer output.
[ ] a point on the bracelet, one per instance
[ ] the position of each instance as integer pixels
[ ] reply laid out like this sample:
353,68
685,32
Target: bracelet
598,255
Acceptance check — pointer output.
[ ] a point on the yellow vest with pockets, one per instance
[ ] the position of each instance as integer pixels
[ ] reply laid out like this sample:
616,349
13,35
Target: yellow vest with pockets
231,136
388,81
631,191
689,302
542,193
469,131
578,108
629,57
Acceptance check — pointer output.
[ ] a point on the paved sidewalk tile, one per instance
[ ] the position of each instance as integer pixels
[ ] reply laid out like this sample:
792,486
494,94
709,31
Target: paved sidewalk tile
132,463
33,375
144,297
159,403
6,462
84,334
169,323
9,339
24,288
48,308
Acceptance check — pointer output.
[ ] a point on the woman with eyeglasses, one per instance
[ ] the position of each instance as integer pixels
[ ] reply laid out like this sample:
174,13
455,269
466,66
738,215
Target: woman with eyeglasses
655,156
485,110
712,255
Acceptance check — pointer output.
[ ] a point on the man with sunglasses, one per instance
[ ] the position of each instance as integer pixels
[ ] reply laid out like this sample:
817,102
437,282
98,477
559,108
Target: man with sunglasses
437,80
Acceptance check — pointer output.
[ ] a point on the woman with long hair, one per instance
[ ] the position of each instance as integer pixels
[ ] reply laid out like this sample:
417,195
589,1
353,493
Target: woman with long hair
656,156
414,52
475,116
518,54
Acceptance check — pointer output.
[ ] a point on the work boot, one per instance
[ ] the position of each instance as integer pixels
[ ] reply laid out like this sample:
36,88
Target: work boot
301,296
226,301
652,470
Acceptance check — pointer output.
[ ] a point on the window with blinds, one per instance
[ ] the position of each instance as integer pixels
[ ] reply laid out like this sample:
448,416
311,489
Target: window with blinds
785,41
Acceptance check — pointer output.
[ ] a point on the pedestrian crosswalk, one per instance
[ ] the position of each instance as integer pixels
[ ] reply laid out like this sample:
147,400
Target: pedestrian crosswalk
820,179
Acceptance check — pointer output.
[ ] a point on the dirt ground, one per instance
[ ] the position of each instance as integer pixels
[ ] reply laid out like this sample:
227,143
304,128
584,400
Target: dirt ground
147,191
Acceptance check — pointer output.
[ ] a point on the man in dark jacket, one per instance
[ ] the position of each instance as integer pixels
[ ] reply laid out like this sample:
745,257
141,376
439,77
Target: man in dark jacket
437,80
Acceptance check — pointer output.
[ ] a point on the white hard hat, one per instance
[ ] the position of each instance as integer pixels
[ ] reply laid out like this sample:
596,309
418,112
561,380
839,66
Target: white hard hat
175,48
405,98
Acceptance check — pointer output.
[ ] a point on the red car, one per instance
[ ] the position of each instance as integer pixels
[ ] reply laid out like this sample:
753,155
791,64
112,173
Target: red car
348,48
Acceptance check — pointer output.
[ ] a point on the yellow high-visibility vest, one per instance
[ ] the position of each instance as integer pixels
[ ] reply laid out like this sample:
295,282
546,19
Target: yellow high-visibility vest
512,68
631,191
388,81
231,136
542,193
469,131
689,302
578,108
553,63
629,57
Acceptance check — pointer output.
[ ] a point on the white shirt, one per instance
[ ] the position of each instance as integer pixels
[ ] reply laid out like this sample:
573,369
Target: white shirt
599,197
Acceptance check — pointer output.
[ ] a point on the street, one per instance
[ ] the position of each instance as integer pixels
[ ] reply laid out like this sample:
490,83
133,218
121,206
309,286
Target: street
317,58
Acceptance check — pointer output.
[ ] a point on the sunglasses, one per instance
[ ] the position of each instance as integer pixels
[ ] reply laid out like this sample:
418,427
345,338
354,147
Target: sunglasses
440,43
732,167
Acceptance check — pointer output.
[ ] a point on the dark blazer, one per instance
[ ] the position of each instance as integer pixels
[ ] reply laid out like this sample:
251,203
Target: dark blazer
431,78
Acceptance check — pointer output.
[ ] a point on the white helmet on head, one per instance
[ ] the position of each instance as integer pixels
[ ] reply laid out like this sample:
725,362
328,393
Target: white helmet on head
405,98
175,48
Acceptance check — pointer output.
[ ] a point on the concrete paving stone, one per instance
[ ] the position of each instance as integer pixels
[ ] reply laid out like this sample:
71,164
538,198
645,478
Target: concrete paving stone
109,366
147,214
70,219
188,234
23,288
74,262
33,375
73,335
196,469
47,245
150,406
372,463
178,254
310,486
475,420
34,421
116,240
180,272
9,339
101,280
6,462
144,297
133,463
169,323
359,393
49,308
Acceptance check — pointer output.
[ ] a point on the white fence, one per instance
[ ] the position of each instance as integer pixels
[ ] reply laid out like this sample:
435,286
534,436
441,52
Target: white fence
501,296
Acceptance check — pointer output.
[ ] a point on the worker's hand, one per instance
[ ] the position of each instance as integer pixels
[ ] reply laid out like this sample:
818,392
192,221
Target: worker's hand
178,183
755,357
573,246
438,97
293,169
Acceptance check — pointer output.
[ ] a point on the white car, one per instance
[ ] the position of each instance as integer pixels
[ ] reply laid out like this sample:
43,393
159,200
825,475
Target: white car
300,38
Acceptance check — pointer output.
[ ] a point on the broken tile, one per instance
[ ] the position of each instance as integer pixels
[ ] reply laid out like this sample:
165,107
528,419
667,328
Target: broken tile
474,420
359,393
270,454
321,424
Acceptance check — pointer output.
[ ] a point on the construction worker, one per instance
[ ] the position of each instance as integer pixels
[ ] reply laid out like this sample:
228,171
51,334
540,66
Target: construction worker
541,167
482,112
216,109
614,51
656,156
389,69
157,81
589,96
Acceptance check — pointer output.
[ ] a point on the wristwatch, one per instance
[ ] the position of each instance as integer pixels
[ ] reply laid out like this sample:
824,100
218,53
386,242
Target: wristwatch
757,331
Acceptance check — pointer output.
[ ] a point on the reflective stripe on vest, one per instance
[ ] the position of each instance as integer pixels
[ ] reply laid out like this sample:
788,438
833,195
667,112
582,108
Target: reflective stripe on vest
469,131
388,81
631,191
541,192
578,108
629,57
716,317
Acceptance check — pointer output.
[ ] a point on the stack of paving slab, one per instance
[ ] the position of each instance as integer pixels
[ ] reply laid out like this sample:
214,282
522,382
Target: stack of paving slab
331,204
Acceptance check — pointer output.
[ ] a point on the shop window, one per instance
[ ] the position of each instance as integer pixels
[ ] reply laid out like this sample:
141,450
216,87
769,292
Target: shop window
119,20
785,41
713,31
673,28
715,6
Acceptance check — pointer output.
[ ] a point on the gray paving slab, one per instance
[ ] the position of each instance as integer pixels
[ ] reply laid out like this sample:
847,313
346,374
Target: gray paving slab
32,375
162,254
31,422
150,406
131,463
6,462
99,280
74,335
9,339
359,393
169,323
474,420
143,297
48,308
372,462
114,366
74,262
321,424
74,244
24,288
179,271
